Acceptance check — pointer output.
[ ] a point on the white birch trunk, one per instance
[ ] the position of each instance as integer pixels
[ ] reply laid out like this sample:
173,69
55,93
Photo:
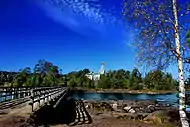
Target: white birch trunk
183,117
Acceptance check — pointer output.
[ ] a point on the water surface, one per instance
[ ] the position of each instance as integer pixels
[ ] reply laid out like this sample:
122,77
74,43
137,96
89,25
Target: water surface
171,98
167,98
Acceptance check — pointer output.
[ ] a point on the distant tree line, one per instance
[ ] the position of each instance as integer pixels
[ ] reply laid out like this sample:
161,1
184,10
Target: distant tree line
43,74
46,73
122,79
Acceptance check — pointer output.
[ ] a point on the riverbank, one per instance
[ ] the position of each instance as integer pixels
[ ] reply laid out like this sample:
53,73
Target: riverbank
85,113
123,91
128,113
122,114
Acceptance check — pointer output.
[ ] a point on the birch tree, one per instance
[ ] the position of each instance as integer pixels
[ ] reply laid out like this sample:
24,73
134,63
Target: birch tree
182,114
160,38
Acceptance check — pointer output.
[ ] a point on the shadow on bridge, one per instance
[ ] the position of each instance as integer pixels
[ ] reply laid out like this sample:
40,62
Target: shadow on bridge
69,111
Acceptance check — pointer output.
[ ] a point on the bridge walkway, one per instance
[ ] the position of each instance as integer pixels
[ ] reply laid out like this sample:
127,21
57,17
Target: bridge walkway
23,101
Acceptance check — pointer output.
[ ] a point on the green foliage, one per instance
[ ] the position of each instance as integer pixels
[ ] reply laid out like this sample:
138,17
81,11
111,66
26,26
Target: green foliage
44,74
47,74
188,38
121,79
154,39
159,81
187,83
79,79
135,80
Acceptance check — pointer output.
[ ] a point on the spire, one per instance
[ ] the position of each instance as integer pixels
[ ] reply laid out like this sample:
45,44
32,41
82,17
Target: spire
102,69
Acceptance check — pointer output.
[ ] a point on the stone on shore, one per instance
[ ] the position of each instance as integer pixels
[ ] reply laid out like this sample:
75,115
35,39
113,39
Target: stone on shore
114,106
144,110
163,116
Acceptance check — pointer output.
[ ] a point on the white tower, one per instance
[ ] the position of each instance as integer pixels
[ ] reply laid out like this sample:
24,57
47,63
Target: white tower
96,76
102,69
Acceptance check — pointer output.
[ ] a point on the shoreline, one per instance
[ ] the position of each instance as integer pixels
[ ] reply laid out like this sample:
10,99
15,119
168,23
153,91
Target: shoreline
123,91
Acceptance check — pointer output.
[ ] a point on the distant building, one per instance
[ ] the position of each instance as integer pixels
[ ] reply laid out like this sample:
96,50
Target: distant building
96,76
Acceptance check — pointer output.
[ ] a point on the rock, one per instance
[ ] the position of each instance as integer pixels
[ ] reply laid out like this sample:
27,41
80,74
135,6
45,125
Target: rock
168,105
151,108
127,108
136,116
131,111
102,106
154,117
114,106
87,106
163,116
119,110
147,110
145,103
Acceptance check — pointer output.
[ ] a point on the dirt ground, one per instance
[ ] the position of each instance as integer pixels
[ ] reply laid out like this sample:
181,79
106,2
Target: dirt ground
106,120
14,121
55,118
98,121
15,118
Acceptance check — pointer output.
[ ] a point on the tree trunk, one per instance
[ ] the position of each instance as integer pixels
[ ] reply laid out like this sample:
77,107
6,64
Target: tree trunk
183,117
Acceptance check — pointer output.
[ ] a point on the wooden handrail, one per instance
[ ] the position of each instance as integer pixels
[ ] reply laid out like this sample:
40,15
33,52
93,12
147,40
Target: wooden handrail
16,95
44,95
26,86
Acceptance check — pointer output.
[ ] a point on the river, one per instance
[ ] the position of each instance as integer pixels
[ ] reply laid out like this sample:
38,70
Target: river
160,98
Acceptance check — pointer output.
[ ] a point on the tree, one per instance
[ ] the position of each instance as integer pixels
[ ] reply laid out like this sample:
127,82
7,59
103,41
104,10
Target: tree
6,77
158,38
45,73
158,80
168,81
135,80
187,60
21,77
188,82
103,82
86,71
153,80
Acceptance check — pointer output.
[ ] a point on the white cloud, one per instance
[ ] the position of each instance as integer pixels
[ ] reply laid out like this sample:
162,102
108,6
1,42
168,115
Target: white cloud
81,16
87,8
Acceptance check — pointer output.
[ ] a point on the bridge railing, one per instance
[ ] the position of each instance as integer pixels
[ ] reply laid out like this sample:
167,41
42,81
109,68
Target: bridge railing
10,93
41,96
12,96
38,96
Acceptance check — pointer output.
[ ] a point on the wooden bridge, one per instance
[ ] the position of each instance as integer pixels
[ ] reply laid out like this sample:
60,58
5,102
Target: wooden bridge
29,99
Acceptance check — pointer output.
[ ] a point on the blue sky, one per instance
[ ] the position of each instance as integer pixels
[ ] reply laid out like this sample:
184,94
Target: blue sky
73,35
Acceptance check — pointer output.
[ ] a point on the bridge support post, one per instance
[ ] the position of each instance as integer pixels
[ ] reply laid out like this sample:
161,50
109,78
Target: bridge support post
49,96
32,99
24,94
39,93
13,93
5,94
18,93
43,97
